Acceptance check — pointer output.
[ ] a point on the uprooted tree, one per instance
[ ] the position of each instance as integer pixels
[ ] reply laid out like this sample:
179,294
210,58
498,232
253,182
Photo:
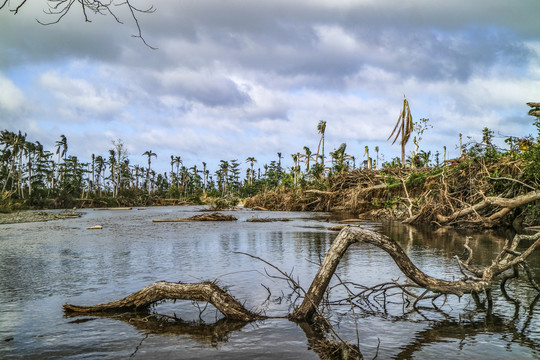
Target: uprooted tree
477,282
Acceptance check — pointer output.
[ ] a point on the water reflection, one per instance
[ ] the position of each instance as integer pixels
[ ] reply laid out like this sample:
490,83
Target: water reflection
43,265
487,328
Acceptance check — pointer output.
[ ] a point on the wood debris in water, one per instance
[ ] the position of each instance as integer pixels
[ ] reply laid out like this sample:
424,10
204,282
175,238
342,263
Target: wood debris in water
257,219
203,217
114,208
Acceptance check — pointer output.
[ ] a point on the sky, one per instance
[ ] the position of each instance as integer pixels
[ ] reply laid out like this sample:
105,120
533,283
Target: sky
236,79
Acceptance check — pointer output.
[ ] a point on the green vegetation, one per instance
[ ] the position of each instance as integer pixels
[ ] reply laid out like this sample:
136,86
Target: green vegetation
32,177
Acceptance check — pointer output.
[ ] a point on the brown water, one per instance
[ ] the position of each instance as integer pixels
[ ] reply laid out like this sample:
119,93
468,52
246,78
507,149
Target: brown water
44,265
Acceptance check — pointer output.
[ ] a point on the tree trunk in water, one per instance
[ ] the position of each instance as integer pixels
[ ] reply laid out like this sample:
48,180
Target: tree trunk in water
205,291
350,235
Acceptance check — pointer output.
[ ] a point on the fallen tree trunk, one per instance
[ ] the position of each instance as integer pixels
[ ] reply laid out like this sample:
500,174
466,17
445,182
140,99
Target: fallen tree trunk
216,216
161,290
505,203
350,235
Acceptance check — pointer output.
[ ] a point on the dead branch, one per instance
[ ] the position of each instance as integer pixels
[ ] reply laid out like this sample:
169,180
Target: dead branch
505,203
203,217
468,285
161,290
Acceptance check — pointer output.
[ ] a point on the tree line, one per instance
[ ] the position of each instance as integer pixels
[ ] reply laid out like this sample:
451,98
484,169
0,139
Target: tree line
32,175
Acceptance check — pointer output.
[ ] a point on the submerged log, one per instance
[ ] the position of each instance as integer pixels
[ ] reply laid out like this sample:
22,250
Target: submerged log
162,290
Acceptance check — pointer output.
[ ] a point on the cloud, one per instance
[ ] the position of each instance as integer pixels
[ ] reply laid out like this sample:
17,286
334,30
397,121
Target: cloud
12,98
236,79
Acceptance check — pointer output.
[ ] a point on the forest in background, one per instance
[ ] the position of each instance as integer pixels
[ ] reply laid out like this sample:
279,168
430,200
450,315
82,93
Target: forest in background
419,187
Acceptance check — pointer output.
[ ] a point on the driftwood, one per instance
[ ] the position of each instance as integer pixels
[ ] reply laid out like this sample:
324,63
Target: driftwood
257,219
478,281
204,217
481,282
114,208
161,290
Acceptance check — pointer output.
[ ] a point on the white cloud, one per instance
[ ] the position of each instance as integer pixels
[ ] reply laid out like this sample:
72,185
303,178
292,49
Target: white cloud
12,98
236,79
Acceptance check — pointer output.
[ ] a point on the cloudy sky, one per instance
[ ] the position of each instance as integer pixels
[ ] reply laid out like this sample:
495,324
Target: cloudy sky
232,79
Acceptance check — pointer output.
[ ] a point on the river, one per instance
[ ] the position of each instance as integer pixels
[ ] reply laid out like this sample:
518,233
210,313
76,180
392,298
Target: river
45,265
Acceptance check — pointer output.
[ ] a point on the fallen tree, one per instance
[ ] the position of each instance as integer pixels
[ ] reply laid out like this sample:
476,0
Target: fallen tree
505,205
161,290
476,281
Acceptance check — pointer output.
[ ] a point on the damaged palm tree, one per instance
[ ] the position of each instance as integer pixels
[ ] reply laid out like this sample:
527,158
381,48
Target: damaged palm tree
404,127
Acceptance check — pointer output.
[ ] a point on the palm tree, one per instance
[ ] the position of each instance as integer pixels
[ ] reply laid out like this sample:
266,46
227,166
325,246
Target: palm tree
100,167
339,157
377,161
172,168
321,128
149,153
63,146
30,150
368,159
251,160
113,170
205,177
404,127
296,168
61,151
307,158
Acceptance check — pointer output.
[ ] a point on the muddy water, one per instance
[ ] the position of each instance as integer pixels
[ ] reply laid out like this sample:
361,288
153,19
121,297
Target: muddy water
44,265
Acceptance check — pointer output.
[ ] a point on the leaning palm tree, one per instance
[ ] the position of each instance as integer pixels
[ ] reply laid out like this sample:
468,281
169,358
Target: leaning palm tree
149,153
404,127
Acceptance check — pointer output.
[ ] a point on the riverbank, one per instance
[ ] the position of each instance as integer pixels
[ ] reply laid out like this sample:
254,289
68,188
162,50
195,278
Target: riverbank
37,216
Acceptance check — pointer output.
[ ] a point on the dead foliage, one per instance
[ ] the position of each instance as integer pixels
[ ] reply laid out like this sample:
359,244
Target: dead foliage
471,192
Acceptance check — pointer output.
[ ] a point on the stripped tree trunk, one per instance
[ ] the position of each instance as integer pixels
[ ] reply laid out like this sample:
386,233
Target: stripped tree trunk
349,235
480,281
205,291
505,203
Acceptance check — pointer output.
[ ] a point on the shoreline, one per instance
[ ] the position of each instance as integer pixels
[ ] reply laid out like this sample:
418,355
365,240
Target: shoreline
26,216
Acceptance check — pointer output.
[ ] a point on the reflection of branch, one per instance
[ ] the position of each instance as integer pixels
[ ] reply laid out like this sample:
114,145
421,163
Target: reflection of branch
163,324
442,331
